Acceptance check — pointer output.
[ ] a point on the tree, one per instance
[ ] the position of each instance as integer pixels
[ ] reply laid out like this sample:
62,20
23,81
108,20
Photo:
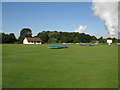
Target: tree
115,40
43,36
64,40
85,38
25,32
8,38
55,35
12,37
64,37
70,37
76,40
102,40
53,40
118,40
93,38
0,38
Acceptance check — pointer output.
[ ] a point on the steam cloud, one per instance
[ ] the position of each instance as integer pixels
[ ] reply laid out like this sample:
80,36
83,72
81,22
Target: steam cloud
81,29
119,20
108,12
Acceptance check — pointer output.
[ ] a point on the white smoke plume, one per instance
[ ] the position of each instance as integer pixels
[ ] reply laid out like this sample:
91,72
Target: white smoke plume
81,29
119,20
108,12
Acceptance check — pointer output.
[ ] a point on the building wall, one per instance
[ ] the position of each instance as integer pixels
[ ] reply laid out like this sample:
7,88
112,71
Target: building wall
38,43
25,41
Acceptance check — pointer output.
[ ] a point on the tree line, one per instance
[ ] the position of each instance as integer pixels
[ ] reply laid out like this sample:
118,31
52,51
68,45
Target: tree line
53,37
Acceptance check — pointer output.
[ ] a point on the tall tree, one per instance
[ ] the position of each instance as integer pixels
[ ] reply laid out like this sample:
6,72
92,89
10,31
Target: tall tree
12,37
25,32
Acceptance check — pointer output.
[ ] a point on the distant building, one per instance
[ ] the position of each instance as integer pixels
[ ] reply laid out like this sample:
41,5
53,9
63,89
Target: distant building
96,42
29,40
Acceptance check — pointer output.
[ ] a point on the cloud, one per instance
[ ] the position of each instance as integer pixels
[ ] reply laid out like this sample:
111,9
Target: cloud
81,29
119,18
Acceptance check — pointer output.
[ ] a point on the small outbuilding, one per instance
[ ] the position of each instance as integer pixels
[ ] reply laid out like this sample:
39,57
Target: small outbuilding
29,40
109,42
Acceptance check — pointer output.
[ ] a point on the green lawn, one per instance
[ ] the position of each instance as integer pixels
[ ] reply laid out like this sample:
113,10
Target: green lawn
36,66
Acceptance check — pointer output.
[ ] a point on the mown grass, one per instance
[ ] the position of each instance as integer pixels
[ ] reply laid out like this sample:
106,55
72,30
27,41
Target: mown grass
36,66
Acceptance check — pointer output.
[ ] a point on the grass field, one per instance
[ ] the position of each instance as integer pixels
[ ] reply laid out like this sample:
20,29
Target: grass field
36,66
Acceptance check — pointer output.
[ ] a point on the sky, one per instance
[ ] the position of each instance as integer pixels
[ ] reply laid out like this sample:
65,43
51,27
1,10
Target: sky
51,16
